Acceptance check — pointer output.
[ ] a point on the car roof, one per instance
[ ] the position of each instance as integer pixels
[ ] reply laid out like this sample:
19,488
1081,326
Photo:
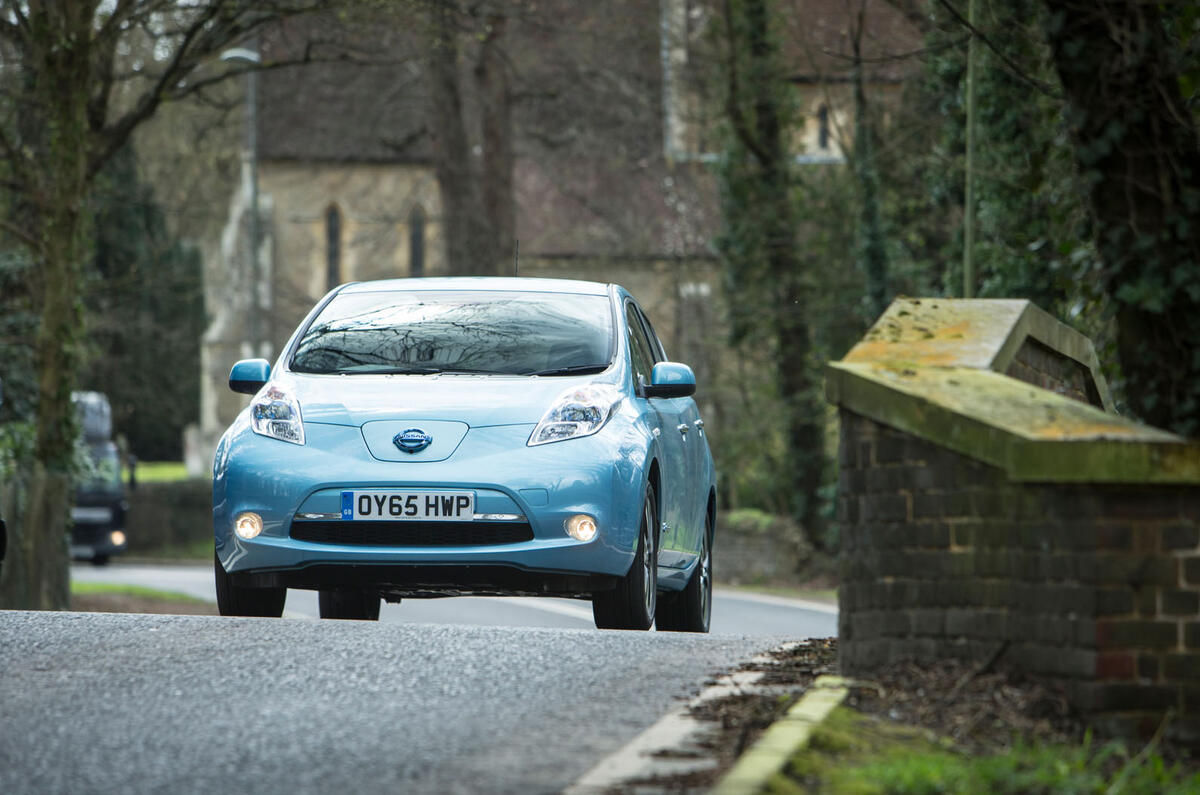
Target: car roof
486,283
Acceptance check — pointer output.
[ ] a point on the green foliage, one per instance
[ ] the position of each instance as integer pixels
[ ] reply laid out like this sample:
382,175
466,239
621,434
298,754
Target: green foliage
1124,69
1032,226
18,326
1034,232
748,521
767,276
16,448
145,286
851,753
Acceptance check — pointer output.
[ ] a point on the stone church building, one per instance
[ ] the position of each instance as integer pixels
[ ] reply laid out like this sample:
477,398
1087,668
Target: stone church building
620,188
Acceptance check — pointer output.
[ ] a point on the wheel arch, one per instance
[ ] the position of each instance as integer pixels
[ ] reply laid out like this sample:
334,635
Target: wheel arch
654,480
712,514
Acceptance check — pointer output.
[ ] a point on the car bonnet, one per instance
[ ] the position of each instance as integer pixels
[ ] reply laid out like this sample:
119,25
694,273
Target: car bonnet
479,401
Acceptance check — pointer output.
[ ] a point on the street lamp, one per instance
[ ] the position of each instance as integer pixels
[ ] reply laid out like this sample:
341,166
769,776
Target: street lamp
251,56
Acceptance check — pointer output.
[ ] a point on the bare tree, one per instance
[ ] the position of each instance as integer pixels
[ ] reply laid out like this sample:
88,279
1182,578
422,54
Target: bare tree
70,101
470,129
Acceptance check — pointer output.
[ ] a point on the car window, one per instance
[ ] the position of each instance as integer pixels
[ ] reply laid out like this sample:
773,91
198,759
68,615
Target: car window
656,346
639,346
510,333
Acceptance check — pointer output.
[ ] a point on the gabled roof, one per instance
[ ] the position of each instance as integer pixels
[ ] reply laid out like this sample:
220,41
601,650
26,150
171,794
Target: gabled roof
362,99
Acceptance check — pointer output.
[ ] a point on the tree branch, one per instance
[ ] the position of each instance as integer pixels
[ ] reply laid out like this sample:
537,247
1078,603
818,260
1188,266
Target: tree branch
1017,71
201,39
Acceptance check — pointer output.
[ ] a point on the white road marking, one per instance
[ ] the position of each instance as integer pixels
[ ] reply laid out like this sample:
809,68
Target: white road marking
778,601
548,605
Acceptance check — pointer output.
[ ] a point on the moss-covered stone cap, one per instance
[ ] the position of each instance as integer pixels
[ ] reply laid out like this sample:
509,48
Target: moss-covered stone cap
1032,434
984,334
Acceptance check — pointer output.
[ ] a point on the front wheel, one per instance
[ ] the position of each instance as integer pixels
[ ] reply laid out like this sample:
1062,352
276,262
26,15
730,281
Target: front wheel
690,610
351,605
235,600
632,603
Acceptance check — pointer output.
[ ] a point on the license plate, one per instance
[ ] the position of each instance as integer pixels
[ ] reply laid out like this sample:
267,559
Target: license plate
444,506
83,515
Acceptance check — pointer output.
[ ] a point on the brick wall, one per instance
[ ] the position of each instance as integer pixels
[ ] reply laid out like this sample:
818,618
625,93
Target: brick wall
1096,587
1044,367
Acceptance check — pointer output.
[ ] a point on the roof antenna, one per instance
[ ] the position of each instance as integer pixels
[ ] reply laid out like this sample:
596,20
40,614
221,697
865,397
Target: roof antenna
516,251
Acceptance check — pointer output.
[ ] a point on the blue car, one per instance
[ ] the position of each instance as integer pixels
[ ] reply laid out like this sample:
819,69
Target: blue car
488,436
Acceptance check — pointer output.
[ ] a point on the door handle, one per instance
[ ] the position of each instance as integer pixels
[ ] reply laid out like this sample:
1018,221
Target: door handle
699,425
683,428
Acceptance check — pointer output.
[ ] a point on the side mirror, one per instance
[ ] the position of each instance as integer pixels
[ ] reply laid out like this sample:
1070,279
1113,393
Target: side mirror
249,375
671,380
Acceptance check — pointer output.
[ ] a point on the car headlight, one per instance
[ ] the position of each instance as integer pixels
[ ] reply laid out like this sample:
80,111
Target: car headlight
275,413
580,411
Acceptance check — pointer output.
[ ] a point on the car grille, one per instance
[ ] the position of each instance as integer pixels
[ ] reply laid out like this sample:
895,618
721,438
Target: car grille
413,534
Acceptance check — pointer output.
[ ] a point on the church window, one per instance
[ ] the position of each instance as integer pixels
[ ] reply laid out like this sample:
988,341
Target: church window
333,247
416,242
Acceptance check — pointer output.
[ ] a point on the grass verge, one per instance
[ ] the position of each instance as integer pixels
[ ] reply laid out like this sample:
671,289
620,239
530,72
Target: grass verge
159,471
194,552
94,588
94,597
863,755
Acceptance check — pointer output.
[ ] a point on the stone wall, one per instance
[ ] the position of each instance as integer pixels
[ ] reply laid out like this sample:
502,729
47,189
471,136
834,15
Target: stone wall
1094,586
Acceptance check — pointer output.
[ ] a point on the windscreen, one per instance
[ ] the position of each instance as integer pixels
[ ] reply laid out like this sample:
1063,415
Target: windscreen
506,333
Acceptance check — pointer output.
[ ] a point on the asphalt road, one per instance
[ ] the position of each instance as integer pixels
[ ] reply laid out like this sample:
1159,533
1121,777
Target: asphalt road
734,612
180,704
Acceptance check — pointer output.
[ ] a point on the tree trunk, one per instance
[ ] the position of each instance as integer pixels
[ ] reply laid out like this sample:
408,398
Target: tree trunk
491,77
794,371
36,574
1136,142
462,221
60,51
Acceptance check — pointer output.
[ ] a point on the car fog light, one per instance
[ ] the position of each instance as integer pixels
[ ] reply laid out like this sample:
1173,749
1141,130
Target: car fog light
248,525
581,527
117,538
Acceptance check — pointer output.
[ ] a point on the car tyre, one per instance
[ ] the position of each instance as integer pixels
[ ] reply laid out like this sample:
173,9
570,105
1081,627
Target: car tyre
100,560
631,604
236,600
351,605
690,610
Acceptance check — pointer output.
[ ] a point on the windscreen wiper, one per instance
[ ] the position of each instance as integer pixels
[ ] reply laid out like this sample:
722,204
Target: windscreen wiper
391,371
574,369
469,371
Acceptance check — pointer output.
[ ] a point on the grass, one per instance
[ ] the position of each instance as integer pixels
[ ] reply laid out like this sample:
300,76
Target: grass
159,472
137,591
859,755
201,550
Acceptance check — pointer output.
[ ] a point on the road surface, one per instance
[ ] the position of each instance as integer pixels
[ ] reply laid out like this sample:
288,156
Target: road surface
183,704
734,612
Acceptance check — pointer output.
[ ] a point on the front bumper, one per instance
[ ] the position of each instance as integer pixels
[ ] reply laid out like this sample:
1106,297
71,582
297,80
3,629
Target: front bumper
600,475
89,541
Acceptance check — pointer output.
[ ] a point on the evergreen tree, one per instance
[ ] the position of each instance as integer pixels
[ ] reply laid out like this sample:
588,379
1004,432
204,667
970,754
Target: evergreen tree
769,287
144,286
